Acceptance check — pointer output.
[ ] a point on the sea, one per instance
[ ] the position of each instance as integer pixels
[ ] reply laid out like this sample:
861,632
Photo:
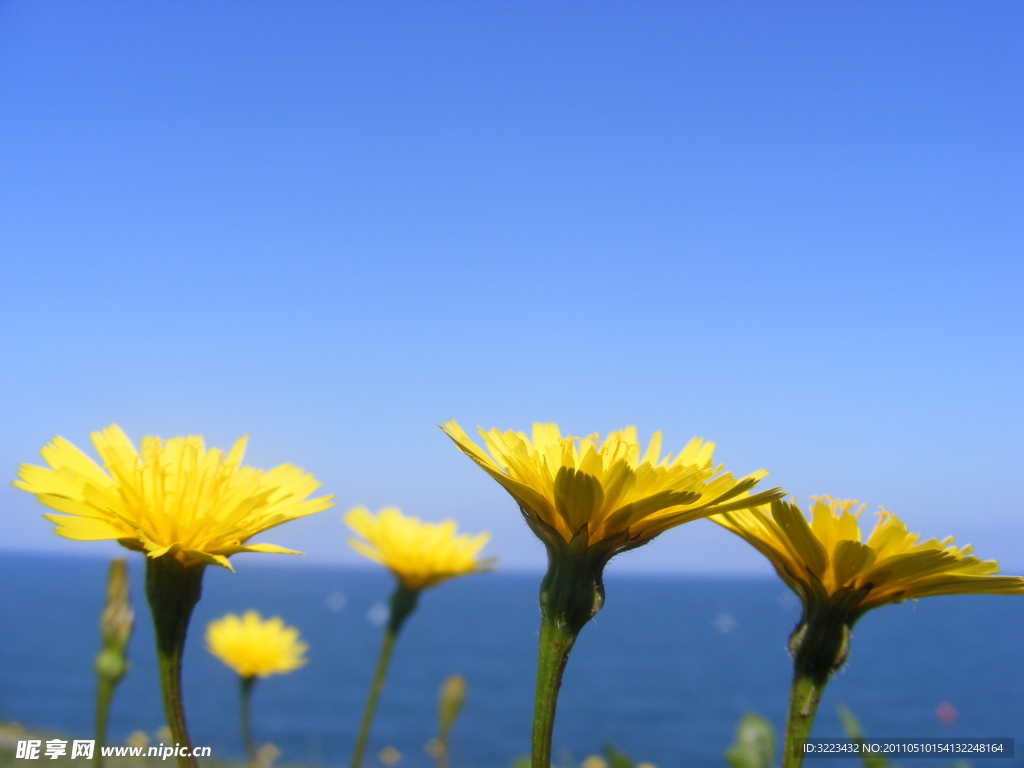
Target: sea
664,672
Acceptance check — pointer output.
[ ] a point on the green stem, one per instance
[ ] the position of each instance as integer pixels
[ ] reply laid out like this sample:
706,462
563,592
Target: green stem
247,742
820,645
104,694
571,594
173,591
403,603
556,640
804,696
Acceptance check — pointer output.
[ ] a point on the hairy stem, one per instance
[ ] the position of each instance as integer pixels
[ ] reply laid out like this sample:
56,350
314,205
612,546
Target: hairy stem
804,696
556,640
571,594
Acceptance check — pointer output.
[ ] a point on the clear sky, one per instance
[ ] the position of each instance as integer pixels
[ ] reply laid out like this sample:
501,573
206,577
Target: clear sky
795,229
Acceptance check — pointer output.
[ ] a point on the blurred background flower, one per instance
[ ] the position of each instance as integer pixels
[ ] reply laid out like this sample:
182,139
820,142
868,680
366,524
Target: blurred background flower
418,554
254,646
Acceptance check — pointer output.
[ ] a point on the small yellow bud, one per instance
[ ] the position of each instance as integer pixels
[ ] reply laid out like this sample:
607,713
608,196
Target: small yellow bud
434,748
389,756
266,755
137,739
452,697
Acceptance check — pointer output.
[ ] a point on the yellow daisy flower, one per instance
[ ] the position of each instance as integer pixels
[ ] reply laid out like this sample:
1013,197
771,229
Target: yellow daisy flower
174,497
419,554
827,560
588,500
608,492
839,576
255,647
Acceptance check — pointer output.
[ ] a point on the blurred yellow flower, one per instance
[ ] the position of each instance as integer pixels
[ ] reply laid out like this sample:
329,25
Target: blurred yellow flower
825,562
255,647
137,739
419,554
618,497
174,497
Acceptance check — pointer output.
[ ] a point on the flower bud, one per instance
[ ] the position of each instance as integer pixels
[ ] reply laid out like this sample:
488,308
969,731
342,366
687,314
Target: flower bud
452,697
116,623
117,619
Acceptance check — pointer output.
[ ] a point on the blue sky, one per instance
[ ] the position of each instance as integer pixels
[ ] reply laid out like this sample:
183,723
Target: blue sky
793,228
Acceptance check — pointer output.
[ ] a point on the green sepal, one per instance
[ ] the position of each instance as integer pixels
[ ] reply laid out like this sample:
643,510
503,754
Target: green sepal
572,591
820,643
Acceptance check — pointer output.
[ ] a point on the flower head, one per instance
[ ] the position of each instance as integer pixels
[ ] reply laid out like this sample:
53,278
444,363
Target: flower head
419,554
255,647
608,493
174,497
826,562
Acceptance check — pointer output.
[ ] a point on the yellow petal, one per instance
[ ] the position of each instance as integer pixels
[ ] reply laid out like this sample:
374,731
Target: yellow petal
84,528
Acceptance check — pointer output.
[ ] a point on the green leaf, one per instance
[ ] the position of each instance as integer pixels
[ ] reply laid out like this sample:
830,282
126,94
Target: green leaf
617,758
855,733
755,743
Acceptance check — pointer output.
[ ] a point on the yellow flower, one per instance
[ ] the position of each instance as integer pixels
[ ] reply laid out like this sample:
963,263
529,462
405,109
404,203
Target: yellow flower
419,554
175,497
826,562
254,647
606,491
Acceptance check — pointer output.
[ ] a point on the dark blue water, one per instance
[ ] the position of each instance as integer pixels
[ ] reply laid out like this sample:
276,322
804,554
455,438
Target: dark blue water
664,672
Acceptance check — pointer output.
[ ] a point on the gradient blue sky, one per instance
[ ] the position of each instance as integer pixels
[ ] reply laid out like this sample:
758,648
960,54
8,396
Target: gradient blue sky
795,229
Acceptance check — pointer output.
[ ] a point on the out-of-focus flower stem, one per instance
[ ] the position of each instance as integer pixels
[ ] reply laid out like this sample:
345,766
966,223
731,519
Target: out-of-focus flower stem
403,603
104,693
246,694
116,624
173,591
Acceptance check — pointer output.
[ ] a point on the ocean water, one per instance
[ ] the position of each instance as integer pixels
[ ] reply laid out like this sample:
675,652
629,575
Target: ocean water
664,672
